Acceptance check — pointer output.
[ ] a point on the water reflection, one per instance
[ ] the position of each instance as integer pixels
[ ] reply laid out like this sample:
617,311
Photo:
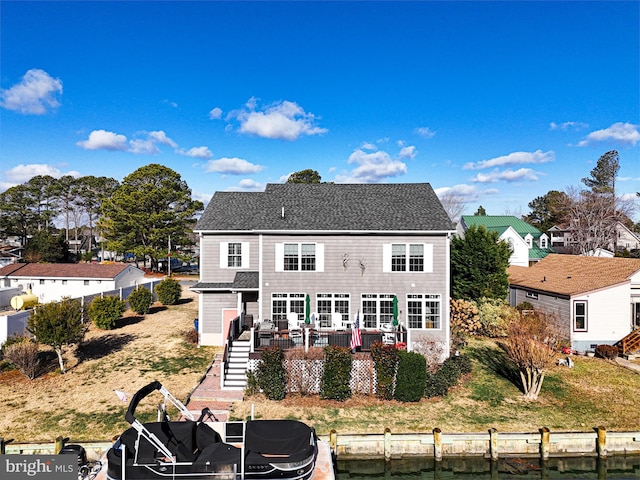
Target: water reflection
574,468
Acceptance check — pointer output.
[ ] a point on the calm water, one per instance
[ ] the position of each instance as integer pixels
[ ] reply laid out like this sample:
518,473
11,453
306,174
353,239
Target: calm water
613,468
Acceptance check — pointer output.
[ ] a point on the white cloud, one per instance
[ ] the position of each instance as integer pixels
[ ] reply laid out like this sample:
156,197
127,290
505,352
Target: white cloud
35,94
568,125
369,146
408,152
159,136
215,113
626,133
196,152
372,167
506,176
23,173
467,193
103,140
247,185
515,158
283,120
232,166
425,132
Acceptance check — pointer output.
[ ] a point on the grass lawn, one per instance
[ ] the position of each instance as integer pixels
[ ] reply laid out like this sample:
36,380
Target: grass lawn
595,392
82,405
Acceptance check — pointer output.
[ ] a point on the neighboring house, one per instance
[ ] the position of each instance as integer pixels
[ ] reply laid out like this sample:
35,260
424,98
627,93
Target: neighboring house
597,299
528,244
350,247
52,281
562,239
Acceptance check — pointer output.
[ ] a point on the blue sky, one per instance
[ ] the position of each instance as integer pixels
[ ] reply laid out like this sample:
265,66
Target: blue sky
497,102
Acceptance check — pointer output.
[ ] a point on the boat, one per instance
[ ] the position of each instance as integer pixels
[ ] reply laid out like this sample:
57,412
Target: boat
203,449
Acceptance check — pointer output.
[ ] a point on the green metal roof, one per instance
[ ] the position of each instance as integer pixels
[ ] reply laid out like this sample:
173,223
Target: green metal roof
500,223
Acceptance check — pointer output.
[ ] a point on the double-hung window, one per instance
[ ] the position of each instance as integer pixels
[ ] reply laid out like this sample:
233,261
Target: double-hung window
234,258
299,257
580,316
423,310
234,254
408,257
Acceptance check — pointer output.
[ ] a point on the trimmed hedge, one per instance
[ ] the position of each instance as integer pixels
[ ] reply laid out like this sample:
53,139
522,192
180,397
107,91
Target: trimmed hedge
385,360
336,378
411,377
271,375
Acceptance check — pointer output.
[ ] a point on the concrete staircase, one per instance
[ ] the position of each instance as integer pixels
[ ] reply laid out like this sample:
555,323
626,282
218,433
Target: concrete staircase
235,369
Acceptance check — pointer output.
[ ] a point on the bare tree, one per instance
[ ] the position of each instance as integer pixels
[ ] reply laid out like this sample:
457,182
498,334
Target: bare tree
532,345
453,204
592,219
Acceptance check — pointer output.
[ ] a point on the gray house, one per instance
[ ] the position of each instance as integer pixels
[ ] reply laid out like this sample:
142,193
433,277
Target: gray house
346,250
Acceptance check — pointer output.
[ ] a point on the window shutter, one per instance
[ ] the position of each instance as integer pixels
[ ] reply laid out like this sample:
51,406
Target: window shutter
428,258
319,257
224,254
279,260
246,257
386,257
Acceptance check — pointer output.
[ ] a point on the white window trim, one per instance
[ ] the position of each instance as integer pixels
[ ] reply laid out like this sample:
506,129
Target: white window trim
244,252
425,297
279,257
428,257
586,316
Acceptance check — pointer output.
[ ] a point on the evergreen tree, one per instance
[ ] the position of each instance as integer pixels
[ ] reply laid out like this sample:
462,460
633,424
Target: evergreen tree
58,324
151,205
479,264
305,176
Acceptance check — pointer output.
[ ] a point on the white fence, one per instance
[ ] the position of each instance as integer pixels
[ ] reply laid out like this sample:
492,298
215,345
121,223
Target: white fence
15,323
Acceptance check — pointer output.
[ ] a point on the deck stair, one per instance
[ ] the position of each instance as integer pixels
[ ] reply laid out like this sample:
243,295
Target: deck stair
629,344
235,369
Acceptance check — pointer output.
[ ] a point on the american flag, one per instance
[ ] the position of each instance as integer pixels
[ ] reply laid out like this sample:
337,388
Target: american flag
356,336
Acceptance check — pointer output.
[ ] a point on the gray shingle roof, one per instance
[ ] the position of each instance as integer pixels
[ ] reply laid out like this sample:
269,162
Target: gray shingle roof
328,207
242,281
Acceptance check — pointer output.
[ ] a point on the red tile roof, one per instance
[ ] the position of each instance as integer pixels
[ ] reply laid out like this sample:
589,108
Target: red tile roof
64,270
572,274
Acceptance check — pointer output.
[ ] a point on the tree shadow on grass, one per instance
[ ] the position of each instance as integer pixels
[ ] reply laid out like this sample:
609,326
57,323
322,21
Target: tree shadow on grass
102,346
496,360
131,320
157,308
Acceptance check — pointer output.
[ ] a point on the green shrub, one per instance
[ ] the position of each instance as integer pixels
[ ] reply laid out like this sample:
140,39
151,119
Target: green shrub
462,363
104,311
336,378
271,375
447,376
607,351
435,385
252,387
385,361
140,300
411,377
168,291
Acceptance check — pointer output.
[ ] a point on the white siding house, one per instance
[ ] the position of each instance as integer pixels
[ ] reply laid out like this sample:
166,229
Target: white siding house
51,281
597,299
